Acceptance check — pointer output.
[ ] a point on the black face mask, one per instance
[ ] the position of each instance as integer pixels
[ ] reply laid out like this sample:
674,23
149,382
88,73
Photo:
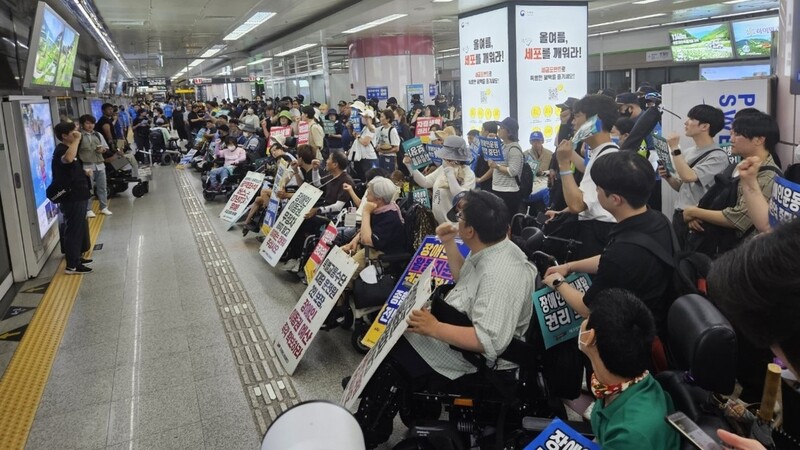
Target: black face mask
627,113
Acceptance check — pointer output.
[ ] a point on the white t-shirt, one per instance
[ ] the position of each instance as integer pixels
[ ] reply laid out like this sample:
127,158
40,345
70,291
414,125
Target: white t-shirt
593,209
388,135
358,151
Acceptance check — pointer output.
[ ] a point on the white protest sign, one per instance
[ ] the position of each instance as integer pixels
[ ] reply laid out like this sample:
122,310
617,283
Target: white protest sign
187,158
289,222
238,202
420,293
313,308
274,202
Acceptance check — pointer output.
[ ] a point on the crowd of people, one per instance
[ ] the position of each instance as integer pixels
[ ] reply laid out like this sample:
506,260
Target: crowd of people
606,198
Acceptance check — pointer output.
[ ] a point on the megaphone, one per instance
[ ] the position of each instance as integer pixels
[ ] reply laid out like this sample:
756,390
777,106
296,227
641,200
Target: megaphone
314,425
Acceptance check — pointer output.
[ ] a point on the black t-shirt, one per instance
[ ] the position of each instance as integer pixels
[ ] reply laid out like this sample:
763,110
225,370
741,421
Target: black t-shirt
334,191
70,175
99,128
195,126
632,267
142,131
388,233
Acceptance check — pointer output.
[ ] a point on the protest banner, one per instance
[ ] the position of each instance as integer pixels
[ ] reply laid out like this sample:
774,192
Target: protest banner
282,131
320,251
328,127
784,203
560,436
186,159
241,197
355,119
302,133
423,127
432,149
664,157
430,253
395,328
533,164
274,202
292,216
313,308
415,149
558,321
492,148
422,197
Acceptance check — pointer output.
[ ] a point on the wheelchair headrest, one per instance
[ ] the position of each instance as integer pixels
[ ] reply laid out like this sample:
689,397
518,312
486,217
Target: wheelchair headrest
702,343
533,238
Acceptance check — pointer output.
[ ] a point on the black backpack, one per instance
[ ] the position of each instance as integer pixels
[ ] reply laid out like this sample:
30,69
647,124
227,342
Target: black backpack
524,179
716,240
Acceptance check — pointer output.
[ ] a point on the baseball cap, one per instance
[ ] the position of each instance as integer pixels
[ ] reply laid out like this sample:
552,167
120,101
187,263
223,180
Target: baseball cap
537,136
569,103
627,98
451,215
511,125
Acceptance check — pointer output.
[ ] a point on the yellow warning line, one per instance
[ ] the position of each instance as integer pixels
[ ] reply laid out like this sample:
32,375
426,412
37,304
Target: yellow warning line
25,378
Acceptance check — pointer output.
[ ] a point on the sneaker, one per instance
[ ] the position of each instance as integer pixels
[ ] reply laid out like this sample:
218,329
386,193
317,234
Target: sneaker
292,265
90,214
85,261
106,212
79,270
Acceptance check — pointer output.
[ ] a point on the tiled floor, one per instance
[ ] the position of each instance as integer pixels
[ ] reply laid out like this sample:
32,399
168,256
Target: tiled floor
144,362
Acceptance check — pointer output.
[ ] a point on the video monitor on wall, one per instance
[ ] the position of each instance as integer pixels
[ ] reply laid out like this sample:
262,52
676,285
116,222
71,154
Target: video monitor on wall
753,38
38,125
103,74
702,43
53,49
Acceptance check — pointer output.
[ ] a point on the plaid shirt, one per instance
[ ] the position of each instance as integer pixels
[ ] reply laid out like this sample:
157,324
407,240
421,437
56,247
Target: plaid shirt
737,215
495,290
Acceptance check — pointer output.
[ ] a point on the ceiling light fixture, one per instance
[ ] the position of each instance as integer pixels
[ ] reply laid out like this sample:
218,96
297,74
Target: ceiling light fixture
213,51
258,61
93,21
632,19
733,2
374,23
249,25
296,49
741,13
446,56
239,68
442,1
644,2
196,63
454,49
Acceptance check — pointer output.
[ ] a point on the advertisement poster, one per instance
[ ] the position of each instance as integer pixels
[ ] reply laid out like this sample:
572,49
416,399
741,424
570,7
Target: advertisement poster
66,61
395,328
486,80
702,43
430,253
103,73
558,321
415,149
753,38
492,148
56,52
558,436
292,216
96,105
302,133
313,308
784,203
237,204
321,250
39,138
274,202
552,57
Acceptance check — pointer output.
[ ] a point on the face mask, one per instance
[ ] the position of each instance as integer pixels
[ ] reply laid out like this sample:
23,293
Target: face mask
250,111
581,345
433,136
592,126
627,113
231,147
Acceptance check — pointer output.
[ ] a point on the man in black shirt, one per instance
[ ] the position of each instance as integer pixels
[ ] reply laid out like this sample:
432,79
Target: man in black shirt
196,121
624,181
69,176
105,125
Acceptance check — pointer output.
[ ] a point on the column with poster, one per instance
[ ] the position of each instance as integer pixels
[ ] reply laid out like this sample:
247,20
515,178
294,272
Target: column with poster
552,63
289,222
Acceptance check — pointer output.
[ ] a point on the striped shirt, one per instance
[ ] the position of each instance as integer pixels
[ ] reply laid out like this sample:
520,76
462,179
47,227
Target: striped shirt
495,290
514,160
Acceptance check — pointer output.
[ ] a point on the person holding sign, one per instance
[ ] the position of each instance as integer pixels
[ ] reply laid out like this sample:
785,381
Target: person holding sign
696,167
388,142
362,152
629,412
316,135
493,290
451,178
540,155
506,174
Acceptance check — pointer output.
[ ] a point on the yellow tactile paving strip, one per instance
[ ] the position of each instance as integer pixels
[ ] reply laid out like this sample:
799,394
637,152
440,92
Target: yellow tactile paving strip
25,378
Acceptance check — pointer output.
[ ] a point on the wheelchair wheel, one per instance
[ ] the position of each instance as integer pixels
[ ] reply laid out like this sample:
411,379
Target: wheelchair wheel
166,159
209,196
359,331
139,190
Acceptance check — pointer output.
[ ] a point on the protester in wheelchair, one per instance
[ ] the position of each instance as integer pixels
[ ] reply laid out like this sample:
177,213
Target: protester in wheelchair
493,289
631,405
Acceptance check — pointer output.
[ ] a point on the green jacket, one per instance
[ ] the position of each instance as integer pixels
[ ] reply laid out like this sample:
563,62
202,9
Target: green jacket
636,419
87,149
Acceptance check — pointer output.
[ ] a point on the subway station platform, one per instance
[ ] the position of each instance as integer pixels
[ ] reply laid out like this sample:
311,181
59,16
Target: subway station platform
167,344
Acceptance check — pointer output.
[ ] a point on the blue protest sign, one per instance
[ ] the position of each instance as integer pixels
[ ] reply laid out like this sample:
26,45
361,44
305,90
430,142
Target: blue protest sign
558,321
355,119
492,148
784,203
432,90
559,435
432,149
379,92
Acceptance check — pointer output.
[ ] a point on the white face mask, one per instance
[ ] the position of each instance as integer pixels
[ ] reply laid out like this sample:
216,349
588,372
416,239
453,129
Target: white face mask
231,147
250,111
433,136
581,345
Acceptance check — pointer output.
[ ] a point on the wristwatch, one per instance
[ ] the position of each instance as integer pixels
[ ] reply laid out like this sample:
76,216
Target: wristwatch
676,152
557,283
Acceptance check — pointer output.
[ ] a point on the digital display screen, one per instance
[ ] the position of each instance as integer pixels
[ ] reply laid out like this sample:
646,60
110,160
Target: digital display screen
703,43
55,46
716,73
96,105
103,73
38,125
754,37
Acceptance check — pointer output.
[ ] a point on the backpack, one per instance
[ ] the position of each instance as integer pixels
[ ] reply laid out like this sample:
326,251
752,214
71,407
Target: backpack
419,222
716,240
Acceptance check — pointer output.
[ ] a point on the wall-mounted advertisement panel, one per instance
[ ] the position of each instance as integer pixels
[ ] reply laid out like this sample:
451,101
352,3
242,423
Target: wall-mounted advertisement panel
38,125
753,38
53,49
551,56
485,74
703,43
103,74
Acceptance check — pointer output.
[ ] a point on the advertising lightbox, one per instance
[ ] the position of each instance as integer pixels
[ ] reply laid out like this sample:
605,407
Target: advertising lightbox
551,56
53,49
485,73
38,125
103,73
702,43
753,38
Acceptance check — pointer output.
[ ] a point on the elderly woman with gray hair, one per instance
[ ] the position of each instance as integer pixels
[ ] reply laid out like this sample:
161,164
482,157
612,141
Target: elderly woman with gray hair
381,224
452,177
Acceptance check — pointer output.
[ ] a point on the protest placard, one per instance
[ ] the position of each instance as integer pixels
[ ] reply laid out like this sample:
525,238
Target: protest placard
492,148
560,436
282,131
274,202
313,308
784,203
533,164
289,221
432,150
430,253
241,197
302,133
395,328
422,128
664,157
558,321
422,197
355,119
328,127
186,159
320,251
415,149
